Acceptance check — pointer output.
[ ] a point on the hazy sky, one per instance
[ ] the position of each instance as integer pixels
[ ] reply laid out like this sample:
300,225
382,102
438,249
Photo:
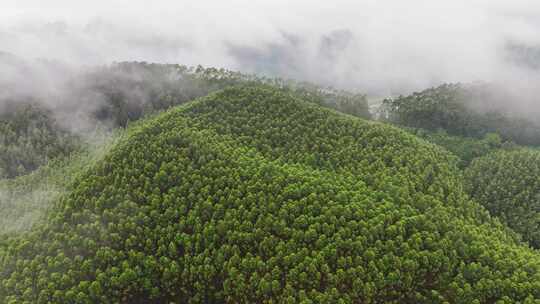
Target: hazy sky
379,46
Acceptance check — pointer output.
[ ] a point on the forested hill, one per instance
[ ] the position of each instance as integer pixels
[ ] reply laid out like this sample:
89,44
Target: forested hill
253,195
471,110
38,123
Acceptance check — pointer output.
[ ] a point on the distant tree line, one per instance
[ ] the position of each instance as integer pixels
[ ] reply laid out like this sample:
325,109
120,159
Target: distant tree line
460,110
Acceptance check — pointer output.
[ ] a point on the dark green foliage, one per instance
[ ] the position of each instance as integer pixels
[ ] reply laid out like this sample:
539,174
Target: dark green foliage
455,109
131,89
507,183
465,148
121,93
251,195
29,138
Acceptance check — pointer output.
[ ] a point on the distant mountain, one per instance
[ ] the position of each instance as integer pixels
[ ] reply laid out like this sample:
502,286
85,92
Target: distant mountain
526,56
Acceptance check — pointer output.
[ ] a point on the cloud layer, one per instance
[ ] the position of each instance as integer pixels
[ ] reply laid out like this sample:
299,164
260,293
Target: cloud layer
377,46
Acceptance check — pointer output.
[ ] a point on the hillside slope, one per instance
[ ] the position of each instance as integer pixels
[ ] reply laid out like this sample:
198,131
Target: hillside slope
507,183
466,149
251,195
26,199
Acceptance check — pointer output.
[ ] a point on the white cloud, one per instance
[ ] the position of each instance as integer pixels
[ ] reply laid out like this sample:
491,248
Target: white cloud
393,45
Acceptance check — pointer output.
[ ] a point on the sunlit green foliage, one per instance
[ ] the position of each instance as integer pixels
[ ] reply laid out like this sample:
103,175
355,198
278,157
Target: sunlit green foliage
508,185
251,195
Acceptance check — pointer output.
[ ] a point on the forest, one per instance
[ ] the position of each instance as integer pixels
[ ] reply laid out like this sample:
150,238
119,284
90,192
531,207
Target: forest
204,185
468,110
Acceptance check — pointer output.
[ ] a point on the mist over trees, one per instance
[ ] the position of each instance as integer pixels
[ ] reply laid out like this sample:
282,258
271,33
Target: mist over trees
302,152
234,187
41,125
472,110
29,138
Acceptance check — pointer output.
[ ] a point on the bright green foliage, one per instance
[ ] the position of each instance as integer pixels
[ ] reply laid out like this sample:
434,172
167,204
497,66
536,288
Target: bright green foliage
29,138
507,183
251,195
460,110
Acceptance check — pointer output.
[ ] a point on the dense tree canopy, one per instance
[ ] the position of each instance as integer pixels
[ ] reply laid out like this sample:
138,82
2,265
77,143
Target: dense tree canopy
29,138
112,96
131,89
465,148
252,195
507,183
463,110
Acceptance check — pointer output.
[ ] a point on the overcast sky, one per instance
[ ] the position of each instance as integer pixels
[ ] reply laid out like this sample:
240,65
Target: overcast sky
379,46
